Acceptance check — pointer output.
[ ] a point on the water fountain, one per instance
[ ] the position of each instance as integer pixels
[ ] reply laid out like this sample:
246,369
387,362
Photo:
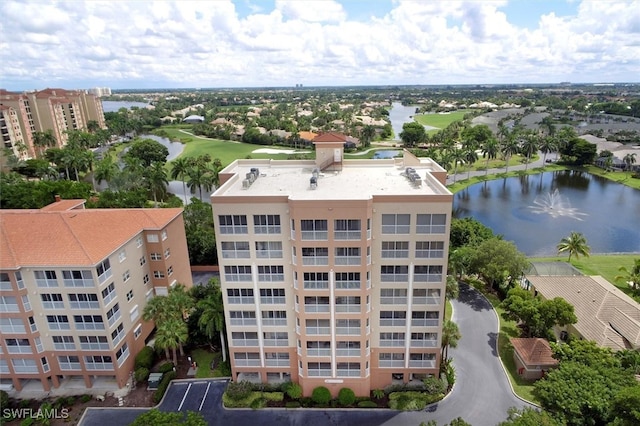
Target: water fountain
554,205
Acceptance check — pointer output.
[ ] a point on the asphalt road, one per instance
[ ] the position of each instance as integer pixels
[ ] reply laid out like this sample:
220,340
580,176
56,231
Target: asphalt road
481,396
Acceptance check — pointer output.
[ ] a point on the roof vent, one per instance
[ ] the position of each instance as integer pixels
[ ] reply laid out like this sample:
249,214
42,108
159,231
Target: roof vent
314,182
246,184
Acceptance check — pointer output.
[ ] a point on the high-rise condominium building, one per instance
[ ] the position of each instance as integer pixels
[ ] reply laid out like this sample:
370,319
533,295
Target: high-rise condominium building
333,271
73,285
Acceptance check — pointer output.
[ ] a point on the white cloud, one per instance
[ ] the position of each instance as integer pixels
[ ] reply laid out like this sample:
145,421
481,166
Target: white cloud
208,44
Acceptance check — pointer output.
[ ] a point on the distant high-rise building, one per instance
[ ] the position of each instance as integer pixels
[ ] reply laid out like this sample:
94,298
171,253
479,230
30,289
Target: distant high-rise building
100,91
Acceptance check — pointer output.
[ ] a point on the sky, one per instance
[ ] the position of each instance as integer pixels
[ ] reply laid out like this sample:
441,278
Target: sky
141,44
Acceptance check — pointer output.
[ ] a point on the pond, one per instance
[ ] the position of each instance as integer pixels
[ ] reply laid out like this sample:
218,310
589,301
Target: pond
114,106
384,153
537,211
400,114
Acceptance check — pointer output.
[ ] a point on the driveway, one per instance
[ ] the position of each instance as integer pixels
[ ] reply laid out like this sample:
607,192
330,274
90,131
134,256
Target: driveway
482,394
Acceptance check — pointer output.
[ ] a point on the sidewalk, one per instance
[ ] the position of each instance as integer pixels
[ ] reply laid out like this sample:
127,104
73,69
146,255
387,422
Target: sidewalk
512,167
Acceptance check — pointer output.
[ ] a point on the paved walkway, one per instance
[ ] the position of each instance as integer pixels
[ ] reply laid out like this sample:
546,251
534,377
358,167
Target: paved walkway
512,167
482,394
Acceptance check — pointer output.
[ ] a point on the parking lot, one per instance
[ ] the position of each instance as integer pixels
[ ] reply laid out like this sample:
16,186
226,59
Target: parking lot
200,396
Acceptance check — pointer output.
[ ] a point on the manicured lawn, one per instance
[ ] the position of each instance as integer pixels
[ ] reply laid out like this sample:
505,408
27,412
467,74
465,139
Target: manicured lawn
449,312
441,120
203,360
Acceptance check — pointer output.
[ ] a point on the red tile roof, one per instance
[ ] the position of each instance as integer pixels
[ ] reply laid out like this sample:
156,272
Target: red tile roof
534,351
63,205
72,237
330,137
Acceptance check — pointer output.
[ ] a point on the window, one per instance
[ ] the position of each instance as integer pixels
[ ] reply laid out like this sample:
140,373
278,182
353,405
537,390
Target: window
393,318
45,364
12,325
122,256
244,338
69,362
108,293
347,229
318,348
139,242
94,343
316,304
396,224
4,366
395,249
18,346
423,296
153,238
348,327
348,348
158,274
348,304
237,273
137,331
424,318
5,282
52,301
134,313
317,326
122,354
240,296
98,362
170,270
347,280
164,235
266,224
58,322
391,339
315,256
125,276
167,253
427,273
387,360
269,249
148,295
46,278
143,260
117,334
83,301
242,317
430,249
394,273
277,318
145,279
63,343
270,273
129,295
113,314
272,296
104,271
393,296
422,360
276,359
82,278
88,322
314,229
19,281
424,340
275,338
347,256
348,369
316,280
233,224
319,369
431,224
235,249
155,256
22,365
246,359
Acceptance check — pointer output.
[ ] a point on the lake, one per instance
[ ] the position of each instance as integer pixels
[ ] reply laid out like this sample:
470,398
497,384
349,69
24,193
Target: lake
400,114
114,106
537,211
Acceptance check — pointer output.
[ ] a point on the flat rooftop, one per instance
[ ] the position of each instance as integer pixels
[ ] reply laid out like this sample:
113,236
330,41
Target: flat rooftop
355,180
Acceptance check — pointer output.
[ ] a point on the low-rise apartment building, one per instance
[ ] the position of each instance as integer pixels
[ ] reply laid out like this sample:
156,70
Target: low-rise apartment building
333,271
73,285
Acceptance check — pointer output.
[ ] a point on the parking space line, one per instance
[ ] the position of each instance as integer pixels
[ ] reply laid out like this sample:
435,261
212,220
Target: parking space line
205,396
184,397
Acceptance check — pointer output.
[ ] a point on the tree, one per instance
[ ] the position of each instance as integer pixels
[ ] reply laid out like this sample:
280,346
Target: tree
172,334
457,156
367,134
467,232
631,277
211,320
498,262
509,148
450,337
548,144
44,140
490,149
536,315
529,417
575,244
578,151
148,151
156,180
199,229
625,406
470,156
106,170
413,134
629,160
529,147
179,170
161,418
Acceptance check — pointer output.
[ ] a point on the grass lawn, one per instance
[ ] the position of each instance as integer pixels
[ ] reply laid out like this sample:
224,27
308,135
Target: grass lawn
449,312
203,360
441,120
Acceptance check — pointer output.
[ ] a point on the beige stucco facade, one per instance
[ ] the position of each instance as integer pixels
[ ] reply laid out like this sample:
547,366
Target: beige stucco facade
337,283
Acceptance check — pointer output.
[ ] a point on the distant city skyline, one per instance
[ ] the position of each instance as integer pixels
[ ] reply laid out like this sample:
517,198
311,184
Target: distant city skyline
244,43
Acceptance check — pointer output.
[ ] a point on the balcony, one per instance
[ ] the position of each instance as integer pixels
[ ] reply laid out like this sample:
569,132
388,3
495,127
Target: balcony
424,322
424,343
318,351
426,300
391,363
315,260
423,363
347,235
245,342
315,235
348,260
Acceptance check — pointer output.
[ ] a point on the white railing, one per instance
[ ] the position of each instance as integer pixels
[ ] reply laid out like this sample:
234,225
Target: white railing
348,331
319,373
348,308
315,260
391,363
247,362
269,362
274,342
315,235
348,352
423,343
246,342
393,322
424,363
424,322
315,331
391,300
347,235
348,260
347,285
392,343
318,352
312,285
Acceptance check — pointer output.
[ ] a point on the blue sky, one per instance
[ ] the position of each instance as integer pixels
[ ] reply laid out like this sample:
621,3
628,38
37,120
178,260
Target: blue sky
253,43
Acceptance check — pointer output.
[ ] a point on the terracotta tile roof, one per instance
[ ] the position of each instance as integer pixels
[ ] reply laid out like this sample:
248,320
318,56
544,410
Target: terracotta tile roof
330,137
64,205
72,237
534,351
605,314
308,136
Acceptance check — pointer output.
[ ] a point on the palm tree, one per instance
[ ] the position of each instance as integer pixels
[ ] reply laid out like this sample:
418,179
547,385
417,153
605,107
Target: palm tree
367,134
156,179
44,140
106,169
470,157
172,334
490,149
212,318
181,301
632,277
509,147
629,160
179,170
452,291
575,244
157,309
548,144
450,337
529,147
457,156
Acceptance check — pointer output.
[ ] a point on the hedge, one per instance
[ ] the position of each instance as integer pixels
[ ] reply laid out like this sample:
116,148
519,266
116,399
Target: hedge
141,374
166,367
164,384
411,400
145,358
367,404
321,395
346,396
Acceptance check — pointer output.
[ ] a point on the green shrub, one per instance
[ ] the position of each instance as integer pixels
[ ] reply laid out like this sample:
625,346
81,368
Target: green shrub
27,421
346,396
164,384
145,358
321,395
26,403
85,398
273,396
258,403
367,404
246,402
306,401
407,401
165,368
141,374
239,390
4,399
292,404
433,385
377,393
294,391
